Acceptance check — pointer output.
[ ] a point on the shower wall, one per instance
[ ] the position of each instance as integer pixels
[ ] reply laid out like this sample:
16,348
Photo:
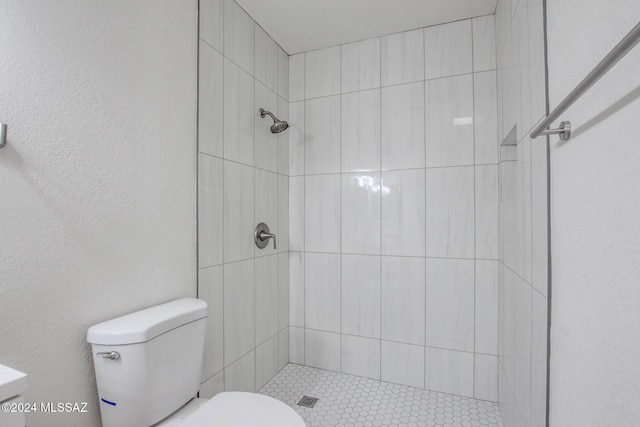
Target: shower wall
523,214
242,181
393,208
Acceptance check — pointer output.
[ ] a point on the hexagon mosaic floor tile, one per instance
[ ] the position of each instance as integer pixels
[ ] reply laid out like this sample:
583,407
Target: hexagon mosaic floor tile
350,401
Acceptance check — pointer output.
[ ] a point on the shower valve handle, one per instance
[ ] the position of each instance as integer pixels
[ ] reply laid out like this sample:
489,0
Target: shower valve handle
262,235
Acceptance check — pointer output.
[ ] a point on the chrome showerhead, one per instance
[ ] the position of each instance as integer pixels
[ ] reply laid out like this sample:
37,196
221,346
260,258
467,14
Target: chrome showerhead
278,125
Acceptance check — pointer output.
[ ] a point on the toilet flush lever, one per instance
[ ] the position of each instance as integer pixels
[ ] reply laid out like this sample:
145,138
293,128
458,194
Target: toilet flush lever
262,235
114,355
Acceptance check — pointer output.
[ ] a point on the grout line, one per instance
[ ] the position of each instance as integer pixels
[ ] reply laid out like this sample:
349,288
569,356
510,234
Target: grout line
340,216
197,156
475,219
426,206
304,212
380,228
224,335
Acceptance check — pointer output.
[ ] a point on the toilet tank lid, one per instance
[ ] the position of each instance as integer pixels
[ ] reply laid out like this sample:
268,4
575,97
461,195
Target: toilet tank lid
147,324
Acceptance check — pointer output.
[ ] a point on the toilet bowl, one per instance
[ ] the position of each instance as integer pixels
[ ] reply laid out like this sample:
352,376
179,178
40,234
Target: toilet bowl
148,368
235,409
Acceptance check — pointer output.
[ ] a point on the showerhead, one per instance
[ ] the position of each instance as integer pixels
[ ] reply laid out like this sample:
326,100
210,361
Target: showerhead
278,125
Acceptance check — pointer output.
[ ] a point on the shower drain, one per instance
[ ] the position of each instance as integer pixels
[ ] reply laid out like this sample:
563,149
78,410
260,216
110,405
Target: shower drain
308,402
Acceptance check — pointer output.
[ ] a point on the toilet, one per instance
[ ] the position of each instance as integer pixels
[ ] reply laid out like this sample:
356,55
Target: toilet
148,366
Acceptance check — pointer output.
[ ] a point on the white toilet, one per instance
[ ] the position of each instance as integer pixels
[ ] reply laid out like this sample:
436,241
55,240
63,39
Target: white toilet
148,367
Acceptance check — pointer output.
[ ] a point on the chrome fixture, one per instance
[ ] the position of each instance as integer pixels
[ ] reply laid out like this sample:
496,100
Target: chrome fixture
3,135
612,58
262,235
278,125
113,355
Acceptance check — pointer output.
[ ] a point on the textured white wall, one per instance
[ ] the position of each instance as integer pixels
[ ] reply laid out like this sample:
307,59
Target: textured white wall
595,321
97,182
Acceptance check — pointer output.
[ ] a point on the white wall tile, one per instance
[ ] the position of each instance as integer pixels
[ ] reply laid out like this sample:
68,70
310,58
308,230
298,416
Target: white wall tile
295,133
210,290
537,62
449,214
210,211
506,320
448,49
266,207
212,386
322,291
239,318
296,213
499,95
361,213
402,57
361,131
296,345
486,330
484,43
283,74
403,299
296,289
283,138
361,65
211,22
510,89
322,135
322,213
283,348
521,45
402,364
283,290
266,361
449,371
360,302
538,358
239,114
539,223
238,211
449,121
322,72
522,349
266,143
487,201
283,214
241,375
403,212
402,126
503,22
238,36
360,356
266,59
524,230
210,108
485,384
450,303
296,77
266,297
322,350
485,117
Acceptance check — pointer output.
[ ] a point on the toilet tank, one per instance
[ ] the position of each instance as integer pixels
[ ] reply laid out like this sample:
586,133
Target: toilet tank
157,362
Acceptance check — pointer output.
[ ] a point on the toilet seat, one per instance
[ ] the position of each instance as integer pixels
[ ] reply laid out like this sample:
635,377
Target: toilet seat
240,409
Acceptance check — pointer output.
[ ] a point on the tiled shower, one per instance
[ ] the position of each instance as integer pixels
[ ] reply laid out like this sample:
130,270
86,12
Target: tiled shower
405,232
394,241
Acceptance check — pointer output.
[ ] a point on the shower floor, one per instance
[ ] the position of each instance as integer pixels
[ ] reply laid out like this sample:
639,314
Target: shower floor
350,401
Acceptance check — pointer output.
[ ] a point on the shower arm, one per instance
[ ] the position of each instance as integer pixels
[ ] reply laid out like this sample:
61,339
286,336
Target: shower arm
264,112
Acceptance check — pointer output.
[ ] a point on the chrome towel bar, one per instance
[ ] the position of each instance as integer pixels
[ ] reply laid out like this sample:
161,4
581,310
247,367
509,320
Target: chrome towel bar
612,58
3,135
